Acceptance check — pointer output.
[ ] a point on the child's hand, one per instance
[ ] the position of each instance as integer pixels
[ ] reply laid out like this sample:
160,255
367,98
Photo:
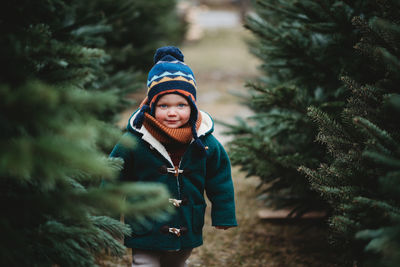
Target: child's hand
222,227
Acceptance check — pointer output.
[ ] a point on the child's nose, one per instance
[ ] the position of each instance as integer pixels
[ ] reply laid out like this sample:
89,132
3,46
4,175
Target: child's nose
171,112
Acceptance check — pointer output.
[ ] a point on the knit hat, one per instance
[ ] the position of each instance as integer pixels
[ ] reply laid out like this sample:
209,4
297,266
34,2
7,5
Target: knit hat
170,75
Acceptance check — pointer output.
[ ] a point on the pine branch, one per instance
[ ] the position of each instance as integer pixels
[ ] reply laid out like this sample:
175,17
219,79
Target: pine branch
330,132
375,132
387,160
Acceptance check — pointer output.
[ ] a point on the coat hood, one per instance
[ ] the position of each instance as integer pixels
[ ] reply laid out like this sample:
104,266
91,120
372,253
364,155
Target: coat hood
206,128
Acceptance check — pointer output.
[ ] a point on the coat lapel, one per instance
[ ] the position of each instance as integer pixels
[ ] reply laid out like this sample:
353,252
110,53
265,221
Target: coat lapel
155,143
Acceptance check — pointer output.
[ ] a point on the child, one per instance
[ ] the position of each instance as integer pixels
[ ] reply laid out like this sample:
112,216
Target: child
174,146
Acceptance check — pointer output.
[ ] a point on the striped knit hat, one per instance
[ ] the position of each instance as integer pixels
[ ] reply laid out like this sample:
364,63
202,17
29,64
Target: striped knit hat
170,75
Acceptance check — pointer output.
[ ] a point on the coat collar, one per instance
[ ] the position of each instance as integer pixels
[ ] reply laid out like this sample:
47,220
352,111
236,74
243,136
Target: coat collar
206,127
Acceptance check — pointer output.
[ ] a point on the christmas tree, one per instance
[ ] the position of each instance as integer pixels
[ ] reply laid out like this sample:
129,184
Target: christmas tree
134,43
304,47
53,134
362,180
133,31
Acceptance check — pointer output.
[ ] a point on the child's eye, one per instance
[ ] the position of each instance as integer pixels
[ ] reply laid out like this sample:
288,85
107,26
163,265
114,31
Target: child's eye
163,106
181,105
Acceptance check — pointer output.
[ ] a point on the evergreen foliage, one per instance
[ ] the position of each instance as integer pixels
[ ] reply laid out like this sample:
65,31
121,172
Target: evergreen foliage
362,180
135,46
305,46
131,31
56,105
135,30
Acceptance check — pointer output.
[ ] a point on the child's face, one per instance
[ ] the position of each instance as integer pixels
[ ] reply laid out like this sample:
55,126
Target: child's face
172,110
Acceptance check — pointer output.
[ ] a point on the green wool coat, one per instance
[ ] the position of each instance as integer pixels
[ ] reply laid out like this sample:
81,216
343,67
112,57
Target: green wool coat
148,160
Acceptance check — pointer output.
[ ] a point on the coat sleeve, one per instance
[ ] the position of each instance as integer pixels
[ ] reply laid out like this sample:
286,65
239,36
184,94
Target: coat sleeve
219,185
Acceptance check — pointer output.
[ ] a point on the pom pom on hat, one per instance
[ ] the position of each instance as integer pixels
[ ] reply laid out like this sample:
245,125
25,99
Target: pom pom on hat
168,51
